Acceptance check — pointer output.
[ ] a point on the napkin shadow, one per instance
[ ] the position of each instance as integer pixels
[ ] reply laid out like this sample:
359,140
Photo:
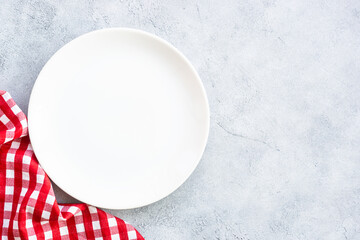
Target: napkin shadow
61,196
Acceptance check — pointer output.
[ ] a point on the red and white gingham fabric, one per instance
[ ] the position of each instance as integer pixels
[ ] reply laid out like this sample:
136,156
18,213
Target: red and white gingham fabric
28,208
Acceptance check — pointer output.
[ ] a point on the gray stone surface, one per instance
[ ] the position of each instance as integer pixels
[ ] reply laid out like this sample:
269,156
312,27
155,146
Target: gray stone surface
283,81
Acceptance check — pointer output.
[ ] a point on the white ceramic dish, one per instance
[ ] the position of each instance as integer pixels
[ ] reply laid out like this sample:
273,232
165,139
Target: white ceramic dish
118,118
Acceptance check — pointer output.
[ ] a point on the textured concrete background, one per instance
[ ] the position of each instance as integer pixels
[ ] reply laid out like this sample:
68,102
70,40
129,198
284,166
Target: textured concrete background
283,81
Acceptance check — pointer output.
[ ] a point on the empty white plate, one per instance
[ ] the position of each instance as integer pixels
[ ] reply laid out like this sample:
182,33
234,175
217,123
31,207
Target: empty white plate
118,118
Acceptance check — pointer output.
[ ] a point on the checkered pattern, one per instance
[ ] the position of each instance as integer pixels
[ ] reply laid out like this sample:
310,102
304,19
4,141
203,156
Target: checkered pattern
28,208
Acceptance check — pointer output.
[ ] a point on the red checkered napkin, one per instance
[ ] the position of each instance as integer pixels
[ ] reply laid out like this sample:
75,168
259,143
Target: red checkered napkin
28,208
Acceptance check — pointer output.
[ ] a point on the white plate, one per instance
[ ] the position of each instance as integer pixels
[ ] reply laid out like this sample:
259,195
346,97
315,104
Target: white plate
118,118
